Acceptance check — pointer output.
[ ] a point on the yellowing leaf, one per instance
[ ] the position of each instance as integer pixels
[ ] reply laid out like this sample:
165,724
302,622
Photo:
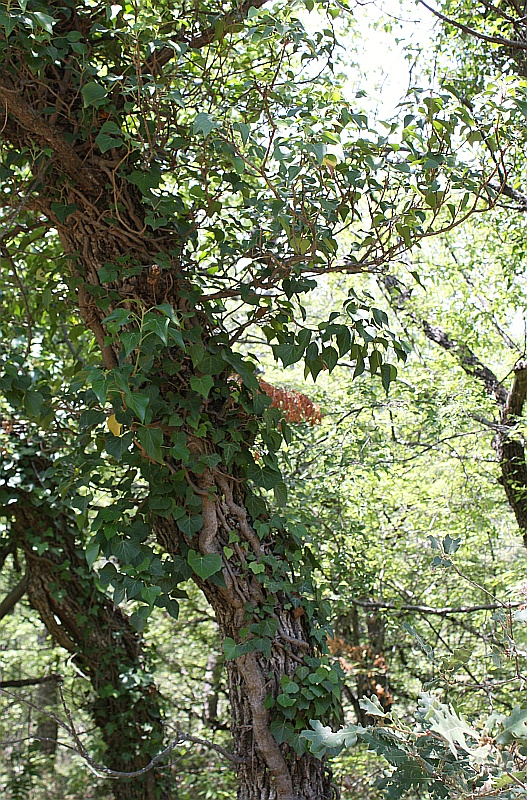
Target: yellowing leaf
114,426
330,160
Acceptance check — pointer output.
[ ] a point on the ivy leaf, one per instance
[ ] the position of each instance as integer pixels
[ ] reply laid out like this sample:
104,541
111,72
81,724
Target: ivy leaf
93,94
202,385
63,210
388,374
179,447
288,353
138,403
322,739
33,403
190,525
44,20
91,553
145,180
150,594
245,369
282,730
138,618
263,645
157,325
99,386
151,440
280,494
204,566
130,340
114,426
267,627
117,446
8,23
126,550
105,142
233,650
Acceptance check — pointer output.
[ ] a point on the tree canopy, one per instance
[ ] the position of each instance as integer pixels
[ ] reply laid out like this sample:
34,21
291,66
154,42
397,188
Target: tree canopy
262,377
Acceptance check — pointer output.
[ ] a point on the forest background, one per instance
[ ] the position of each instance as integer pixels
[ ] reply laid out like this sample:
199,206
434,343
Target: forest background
230,290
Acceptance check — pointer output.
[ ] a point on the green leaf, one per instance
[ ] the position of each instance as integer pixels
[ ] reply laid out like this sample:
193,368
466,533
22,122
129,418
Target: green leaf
244,130
285,700
129,340
450,545
179,447
33,401
514,726
202,385
282,730
322,739
233,650
145,180
204,566
372,706
91,553
245,369
44,20
280,494
157,325
139,618
151,440
150,594
125,550
8,23
190,525
117,446
204,123
116,320
388,374
93,94
63,210
105,142
138,403
330,357
99,386
267,627
288,353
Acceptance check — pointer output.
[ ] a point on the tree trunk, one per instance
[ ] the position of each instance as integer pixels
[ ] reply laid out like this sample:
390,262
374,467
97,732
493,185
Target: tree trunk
271,771
258,584
100,638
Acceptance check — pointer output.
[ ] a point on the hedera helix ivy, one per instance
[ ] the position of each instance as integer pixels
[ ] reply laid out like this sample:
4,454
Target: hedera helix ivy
196,182
38,526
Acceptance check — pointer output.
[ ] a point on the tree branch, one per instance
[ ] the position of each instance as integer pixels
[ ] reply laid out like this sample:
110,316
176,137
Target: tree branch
11,599
440,612
513,43
18,684
48,136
